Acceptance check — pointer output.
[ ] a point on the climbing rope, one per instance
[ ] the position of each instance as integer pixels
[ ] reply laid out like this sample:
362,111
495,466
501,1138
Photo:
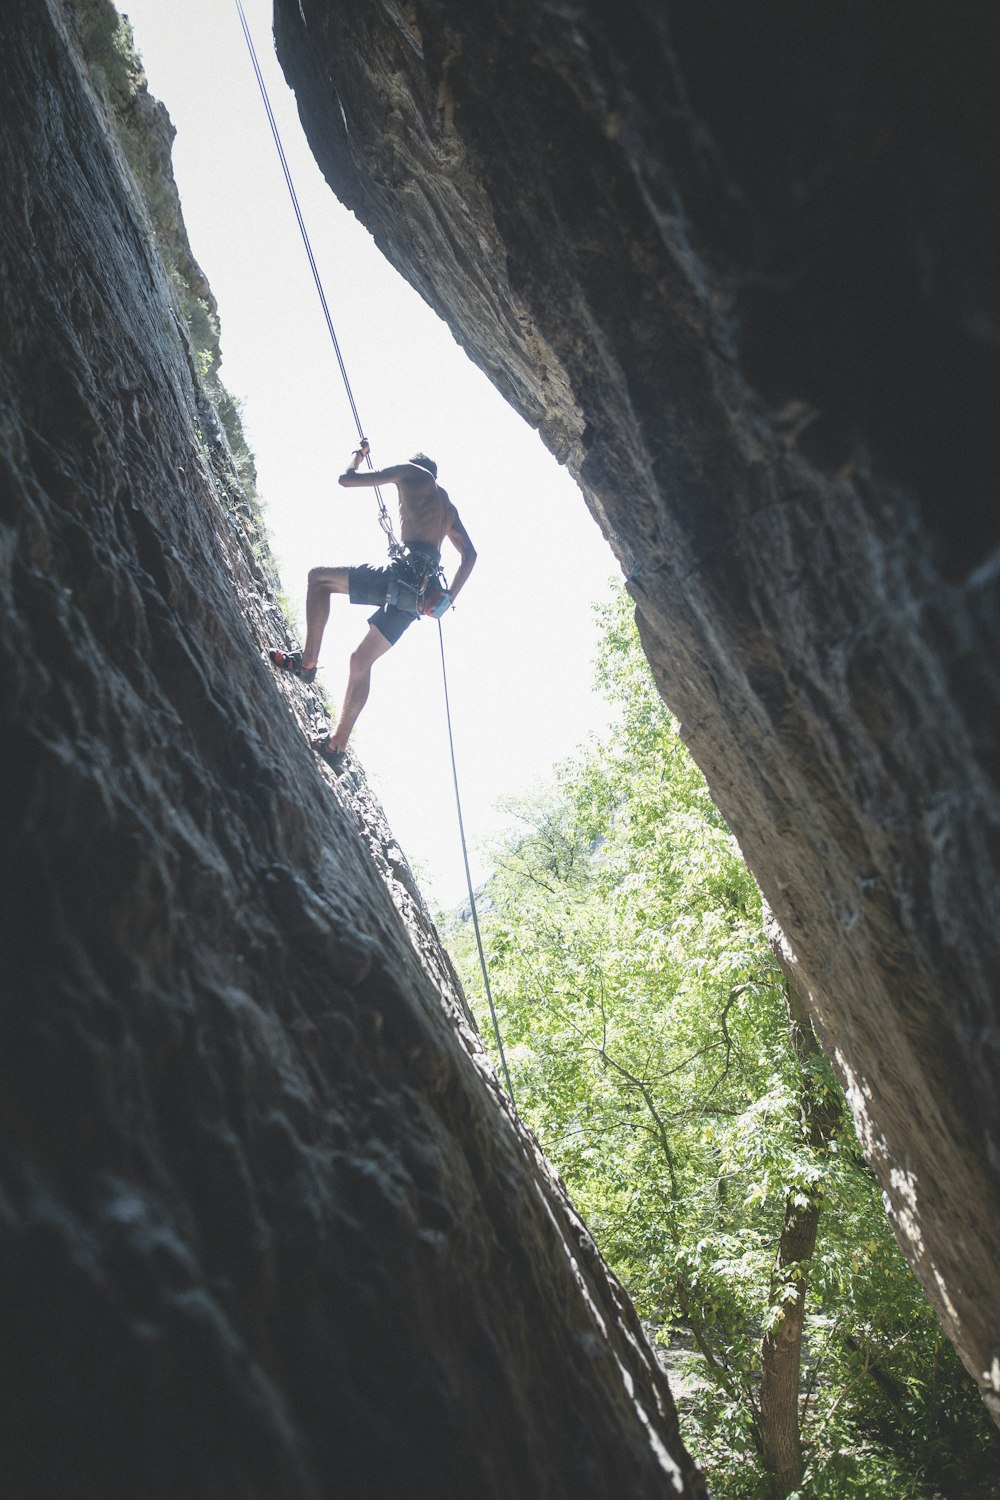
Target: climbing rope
395,549
468,877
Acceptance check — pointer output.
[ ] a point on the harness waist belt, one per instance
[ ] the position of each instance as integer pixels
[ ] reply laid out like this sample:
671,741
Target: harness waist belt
410,576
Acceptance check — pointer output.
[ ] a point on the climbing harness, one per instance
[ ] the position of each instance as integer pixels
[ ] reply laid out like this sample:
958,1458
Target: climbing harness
416,584
434,600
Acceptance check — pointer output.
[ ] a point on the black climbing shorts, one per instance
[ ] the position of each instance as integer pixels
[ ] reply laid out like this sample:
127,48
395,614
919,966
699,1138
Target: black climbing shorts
367,585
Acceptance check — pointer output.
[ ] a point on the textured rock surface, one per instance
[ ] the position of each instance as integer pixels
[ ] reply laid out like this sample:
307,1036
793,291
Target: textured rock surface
266,1227
740,266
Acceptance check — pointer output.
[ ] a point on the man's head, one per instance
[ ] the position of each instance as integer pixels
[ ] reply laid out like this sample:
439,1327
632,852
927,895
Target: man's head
425,463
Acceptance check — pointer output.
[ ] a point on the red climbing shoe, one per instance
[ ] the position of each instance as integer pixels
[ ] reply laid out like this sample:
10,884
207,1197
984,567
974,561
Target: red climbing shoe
291,662
335,759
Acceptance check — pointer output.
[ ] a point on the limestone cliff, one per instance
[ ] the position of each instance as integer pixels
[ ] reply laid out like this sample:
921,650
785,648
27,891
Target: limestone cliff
739,264
266,1226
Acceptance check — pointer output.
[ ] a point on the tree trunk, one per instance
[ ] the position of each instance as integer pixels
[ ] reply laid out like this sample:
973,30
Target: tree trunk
781,1348
781,1351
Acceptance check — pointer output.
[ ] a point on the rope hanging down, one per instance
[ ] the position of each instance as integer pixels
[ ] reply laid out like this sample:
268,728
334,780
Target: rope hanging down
468,878
384,521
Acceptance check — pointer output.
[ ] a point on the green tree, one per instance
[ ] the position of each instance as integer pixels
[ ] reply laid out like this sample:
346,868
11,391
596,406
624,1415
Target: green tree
676,1085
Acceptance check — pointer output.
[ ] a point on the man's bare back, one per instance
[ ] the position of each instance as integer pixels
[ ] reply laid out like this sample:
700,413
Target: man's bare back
424,507
426,513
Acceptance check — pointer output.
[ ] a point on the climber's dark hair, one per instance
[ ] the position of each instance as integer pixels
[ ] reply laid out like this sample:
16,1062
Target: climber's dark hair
425,463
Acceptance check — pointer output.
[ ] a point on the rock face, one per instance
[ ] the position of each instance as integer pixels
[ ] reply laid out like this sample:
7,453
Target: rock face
267,1228
739,264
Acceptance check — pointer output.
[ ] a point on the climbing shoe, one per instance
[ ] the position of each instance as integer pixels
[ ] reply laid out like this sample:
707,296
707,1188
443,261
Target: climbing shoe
335,759
291,662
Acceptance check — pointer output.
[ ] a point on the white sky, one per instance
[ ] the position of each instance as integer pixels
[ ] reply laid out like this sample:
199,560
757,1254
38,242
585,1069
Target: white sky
520,643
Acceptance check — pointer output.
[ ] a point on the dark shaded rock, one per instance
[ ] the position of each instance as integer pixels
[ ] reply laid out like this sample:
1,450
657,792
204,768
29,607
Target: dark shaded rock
266,1227
739,264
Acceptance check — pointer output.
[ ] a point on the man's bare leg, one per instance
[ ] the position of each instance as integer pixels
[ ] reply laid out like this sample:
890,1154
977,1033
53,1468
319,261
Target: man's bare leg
359,681
322,583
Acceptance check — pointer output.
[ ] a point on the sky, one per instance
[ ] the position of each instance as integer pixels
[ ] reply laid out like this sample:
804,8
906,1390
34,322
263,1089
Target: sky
520,643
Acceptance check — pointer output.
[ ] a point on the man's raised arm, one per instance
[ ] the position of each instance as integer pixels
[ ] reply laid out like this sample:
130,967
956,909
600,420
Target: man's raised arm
351,476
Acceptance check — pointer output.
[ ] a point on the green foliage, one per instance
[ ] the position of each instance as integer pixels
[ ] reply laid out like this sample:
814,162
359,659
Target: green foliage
144,133
648,1038
106,40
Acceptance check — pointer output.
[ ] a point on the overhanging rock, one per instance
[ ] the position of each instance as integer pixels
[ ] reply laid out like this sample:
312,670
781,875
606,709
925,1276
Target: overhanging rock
739,265
266,1228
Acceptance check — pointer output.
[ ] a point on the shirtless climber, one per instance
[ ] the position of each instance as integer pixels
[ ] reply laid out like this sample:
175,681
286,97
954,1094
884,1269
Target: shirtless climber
403,589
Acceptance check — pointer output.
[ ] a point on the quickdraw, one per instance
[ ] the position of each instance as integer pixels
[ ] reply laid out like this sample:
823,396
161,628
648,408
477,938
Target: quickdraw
396,549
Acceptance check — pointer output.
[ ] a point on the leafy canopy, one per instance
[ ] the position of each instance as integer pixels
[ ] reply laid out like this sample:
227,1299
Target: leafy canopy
647,1033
